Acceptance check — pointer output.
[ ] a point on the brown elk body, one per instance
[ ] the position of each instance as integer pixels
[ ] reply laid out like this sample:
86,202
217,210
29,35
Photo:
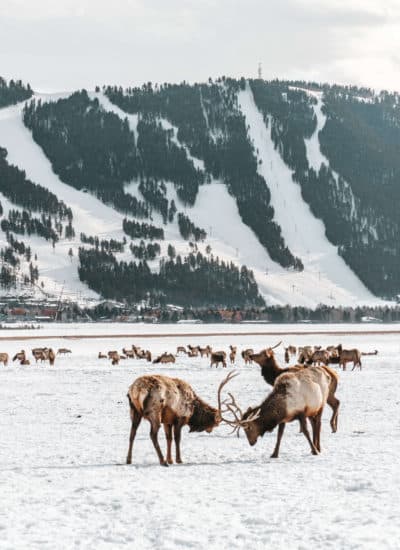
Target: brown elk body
289,351
296,395
165,358
246,355
4,358
181,349
206,351
218,357
173,403
63,351
349,356
232,355
270,371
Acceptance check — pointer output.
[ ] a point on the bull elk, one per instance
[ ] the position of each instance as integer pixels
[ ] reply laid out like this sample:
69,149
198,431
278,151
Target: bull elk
270,371
296,395
173,403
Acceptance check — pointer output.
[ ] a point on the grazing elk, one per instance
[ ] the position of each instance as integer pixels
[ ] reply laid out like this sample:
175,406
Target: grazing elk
296,395
218,357
102,355
173,403
40,353
4,358
319,357
181,349
128,353
63,351
165,358
270,371
349,356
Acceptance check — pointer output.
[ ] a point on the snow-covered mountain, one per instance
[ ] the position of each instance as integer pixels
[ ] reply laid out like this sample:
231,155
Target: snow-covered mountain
318,272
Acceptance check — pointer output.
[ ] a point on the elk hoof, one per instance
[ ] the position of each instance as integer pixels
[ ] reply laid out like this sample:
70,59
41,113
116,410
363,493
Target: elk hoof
129,461
164,464
170,461
179,461
274,455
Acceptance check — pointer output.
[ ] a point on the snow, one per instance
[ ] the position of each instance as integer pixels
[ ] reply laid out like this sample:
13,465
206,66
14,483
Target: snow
326,277
63,482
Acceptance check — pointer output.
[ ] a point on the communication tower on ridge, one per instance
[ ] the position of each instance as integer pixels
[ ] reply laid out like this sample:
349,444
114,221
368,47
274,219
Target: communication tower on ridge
259,71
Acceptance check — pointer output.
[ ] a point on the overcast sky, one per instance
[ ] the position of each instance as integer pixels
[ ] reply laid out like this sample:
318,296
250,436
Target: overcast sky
66,44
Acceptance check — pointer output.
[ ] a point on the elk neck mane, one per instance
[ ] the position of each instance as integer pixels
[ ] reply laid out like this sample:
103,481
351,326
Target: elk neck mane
203,417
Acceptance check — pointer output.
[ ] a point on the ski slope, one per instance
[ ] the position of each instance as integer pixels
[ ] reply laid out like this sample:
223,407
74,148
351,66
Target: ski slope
326,274
326,278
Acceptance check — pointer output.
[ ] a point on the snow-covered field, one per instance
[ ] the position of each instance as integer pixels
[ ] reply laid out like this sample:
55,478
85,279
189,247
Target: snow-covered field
64,437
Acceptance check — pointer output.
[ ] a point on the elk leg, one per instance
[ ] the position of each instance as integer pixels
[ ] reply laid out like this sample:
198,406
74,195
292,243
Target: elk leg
154,438
168,436
334,403
306,433
317,435
177,437
281,429
136,418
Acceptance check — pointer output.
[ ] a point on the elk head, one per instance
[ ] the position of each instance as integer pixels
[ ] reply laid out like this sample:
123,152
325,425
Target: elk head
248,420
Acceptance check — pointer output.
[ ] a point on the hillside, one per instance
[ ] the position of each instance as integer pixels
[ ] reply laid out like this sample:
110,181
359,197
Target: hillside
223,193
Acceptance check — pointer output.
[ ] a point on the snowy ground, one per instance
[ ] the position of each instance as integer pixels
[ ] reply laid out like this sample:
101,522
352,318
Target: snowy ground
64,435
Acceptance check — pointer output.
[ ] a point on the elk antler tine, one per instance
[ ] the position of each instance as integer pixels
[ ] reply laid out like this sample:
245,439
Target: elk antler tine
276,345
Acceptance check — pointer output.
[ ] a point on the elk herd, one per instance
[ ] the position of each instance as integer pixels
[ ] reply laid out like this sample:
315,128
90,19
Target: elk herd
299,392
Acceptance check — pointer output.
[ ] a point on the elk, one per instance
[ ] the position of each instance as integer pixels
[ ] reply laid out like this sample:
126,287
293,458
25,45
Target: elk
319,357
128,353
102,355
270,371
173,403
246,353
181,349
193,353
165,358
289,351
20,356
4,358
39,353
348,356
296,395
205,351
232,354
218,357
63,351
114,356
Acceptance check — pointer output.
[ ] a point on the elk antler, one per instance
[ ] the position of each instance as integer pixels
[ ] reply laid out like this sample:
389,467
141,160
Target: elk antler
230,376
276,345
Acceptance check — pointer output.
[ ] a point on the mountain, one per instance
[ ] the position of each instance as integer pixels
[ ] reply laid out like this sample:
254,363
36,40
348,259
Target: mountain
229,192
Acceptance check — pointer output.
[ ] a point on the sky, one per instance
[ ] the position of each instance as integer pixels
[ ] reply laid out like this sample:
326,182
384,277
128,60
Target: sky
59,45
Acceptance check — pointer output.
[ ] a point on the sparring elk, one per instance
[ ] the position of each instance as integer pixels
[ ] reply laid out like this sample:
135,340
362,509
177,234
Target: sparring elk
4,358
296,395
173,403
165,358
270,371
218,357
